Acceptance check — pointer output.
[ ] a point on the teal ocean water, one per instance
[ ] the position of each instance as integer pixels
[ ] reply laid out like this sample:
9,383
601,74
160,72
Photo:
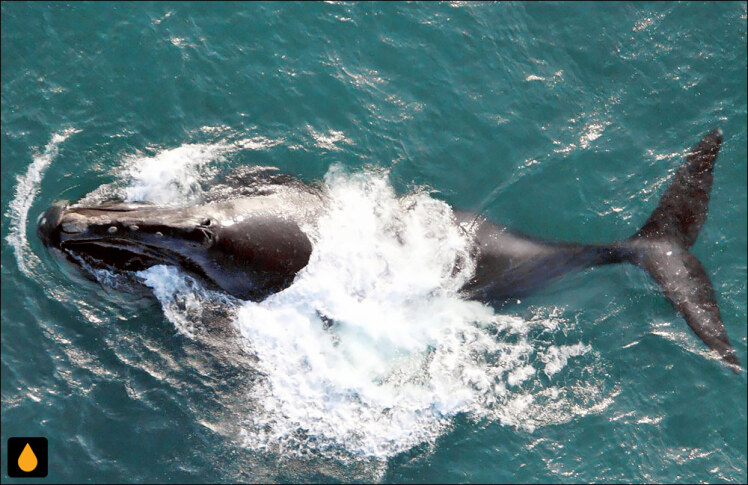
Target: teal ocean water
564,121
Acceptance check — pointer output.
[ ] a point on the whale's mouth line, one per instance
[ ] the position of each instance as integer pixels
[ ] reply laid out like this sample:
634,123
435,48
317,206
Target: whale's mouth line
131,255
118,254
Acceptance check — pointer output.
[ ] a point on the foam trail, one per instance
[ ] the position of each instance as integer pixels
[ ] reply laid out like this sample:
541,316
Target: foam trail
27,188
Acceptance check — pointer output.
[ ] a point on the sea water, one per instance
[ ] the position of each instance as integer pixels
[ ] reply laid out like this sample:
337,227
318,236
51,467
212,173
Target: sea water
564,121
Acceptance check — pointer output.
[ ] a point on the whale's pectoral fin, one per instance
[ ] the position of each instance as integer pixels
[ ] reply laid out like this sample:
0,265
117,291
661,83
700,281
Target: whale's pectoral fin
661,247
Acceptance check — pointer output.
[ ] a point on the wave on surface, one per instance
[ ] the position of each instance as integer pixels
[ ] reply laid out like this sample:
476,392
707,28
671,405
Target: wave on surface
27,188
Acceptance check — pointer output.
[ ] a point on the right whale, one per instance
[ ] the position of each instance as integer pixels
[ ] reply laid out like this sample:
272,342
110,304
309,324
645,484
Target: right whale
511,264
252,246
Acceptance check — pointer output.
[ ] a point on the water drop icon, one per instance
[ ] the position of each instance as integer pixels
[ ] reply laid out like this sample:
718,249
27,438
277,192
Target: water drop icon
27,460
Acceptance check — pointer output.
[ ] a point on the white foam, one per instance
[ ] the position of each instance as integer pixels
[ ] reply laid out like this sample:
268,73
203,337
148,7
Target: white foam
172,176
181,296
556,357
27,188
405,352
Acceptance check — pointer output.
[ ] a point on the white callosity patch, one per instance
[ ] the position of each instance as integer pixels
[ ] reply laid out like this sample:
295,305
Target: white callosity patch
27,189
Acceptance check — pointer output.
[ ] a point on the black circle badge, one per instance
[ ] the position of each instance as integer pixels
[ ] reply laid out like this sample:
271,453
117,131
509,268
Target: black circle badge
27,457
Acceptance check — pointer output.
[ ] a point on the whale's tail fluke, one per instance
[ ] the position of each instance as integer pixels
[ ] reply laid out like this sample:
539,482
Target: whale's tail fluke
661,247
683,207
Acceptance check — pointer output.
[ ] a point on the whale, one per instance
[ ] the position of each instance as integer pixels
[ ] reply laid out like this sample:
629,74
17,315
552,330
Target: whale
254,245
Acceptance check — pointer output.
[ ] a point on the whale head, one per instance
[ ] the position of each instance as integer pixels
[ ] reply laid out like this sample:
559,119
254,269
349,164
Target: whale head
247,253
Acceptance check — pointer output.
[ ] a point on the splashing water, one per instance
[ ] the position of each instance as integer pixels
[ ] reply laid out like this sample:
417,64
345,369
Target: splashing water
182,298
172,175
373,350
405,352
